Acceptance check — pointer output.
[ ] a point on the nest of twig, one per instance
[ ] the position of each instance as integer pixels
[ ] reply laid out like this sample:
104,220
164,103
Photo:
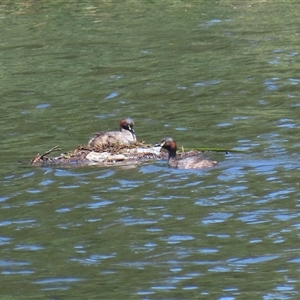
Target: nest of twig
85,155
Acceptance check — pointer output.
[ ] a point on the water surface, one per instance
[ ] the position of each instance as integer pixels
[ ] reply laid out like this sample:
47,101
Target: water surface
222,74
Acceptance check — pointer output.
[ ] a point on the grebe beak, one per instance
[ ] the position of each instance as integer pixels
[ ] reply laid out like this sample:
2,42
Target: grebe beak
131,129
160,144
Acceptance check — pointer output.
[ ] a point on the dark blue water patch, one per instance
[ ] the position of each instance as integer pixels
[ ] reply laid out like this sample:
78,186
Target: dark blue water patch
294,81
286,216
295,260
153,168
255,241
132,221
269,136
46,182
292,54
128,184
277,296
17,272
96,205
280,194
263,102
214,201
238,189
68,226
12,263
25,175
5,240
256,217
94,259
261,166
177,239
72,173
238,118
211,22
4,198
163,287
294,104
124,209
284,288
34,191
108,272
33,202
219,235
218,217
232,173
73,186
79,249
28,248
253,260
189,287
177,175
60,288
136,264
227,298
106,174
146,51
178,278
208,250
286,123
57,283
271,83
219,269
297,225
26,223
145,292
63,210
150,245
175,269
144,248
275,61
154,230
230,289
123,101
42,106
225,124
279,240
112,95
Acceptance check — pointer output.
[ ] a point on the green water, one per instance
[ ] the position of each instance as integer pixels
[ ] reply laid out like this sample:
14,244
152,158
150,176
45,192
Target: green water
209,74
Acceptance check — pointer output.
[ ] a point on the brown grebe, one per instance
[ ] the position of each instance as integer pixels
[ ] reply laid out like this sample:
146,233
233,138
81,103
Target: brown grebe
192,162
126,135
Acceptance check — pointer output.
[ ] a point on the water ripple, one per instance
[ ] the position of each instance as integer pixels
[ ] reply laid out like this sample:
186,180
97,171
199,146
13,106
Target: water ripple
253,260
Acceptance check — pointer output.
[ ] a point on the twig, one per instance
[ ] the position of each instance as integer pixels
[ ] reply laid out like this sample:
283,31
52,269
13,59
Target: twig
40,157
55,148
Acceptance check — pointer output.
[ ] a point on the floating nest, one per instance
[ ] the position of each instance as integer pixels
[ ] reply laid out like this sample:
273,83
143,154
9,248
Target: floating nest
104,156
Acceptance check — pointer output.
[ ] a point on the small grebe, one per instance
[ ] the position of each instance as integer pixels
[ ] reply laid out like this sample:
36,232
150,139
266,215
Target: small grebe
125,136
192,162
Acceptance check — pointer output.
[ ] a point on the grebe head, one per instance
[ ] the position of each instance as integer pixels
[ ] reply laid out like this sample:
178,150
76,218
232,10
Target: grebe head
127,124
168,144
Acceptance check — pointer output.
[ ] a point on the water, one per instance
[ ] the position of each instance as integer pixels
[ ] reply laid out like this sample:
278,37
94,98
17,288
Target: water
208,74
